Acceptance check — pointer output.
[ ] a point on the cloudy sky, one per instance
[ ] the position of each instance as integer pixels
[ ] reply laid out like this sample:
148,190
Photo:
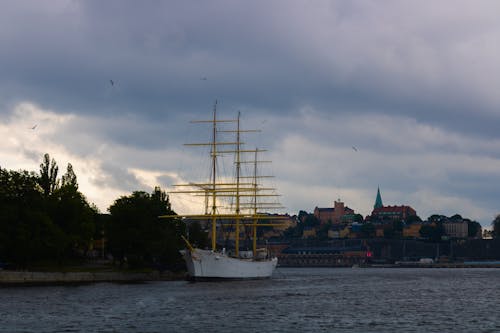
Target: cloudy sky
414,86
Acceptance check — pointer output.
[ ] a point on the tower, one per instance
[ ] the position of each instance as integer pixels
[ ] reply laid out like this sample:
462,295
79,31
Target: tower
378,201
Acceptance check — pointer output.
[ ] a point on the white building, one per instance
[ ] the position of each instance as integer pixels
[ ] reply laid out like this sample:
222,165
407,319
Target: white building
456,229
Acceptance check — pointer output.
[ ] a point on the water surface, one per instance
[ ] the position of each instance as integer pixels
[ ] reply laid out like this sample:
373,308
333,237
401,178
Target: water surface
295,300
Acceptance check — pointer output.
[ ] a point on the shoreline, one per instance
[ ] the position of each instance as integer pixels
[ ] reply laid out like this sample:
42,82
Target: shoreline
402,265
37,278
24,278
435,265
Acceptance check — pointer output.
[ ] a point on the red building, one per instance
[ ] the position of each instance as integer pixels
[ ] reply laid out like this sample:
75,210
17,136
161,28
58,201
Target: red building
334,214
399,213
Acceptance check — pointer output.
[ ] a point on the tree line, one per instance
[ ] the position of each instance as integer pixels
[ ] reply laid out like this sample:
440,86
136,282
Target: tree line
45,218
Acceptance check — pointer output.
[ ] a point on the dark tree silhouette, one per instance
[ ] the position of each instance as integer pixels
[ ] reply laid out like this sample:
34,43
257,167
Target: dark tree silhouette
48,175
138,236
69,178
496,227
27,233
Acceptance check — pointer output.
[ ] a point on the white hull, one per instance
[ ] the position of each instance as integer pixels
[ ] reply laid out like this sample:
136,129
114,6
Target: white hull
206,264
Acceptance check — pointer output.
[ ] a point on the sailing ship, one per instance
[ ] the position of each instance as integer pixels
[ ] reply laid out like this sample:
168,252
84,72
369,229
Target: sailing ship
232,205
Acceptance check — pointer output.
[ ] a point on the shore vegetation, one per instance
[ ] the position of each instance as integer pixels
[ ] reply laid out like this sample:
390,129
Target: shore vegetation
47,222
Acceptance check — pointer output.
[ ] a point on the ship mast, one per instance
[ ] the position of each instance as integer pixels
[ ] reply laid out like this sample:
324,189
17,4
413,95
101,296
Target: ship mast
255,204
213,187
214,168
238,170
245,193
254,226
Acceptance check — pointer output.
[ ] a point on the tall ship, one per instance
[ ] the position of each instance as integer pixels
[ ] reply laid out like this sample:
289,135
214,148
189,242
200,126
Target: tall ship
232,206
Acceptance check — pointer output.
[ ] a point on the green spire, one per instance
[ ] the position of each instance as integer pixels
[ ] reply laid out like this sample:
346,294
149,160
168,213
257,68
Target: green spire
378,201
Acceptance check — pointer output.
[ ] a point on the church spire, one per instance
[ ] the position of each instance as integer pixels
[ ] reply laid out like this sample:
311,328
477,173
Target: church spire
378,201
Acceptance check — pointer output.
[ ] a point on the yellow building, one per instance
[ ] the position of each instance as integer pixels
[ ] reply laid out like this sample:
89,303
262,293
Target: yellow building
333,233
309,232
286,221
344,233
412,230
379,231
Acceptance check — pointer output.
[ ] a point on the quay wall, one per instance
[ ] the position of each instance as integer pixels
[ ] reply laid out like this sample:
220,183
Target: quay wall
386,251
26,278
318,260
327,260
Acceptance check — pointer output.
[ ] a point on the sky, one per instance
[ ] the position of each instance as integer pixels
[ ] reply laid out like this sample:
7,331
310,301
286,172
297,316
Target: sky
350,96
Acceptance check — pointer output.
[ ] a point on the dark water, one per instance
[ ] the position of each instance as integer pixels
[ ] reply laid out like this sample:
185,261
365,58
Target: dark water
296,300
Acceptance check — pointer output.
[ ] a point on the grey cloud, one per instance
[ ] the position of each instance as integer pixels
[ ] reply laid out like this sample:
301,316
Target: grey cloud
157,52
367,67
116,176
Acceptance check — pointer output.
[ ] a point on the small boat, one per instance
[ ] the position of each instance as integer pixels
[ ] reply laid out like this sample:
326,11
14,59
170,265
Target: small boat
246,195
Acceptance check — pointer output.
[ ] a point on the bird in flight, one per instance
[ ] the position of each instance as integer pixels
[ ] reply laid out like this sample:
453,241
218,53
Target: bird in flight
34,126
354,148
203,78
112,82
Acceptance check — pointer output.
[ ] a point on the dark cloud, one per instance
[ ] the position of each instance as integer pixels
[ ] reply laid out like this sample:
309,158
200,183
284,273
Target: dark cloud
335,57
400,79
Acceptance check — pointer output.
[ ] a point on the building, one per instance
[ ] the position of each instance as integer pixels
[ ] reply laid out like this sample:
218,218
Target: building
412,230
344,233
334,215
351,218
456,229
394,213
309,232
380,230
226,230
338,231
281,222
391,213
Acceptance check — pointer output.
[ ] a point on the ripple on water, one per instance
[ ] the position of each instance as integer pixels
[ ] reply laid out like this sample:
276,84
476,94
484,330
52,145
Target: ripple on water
299,300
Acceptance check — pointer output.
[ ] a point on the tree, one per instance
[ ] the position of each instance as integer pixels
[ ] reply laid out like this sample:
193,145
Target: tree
40,220
358,218
302,215
27,233
496,227
67,207
311,220
432,232
413,219
294,232
426,231
197,236
473,228
69,178
323,231
71,212
368,230
136,233
436,218
48,175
